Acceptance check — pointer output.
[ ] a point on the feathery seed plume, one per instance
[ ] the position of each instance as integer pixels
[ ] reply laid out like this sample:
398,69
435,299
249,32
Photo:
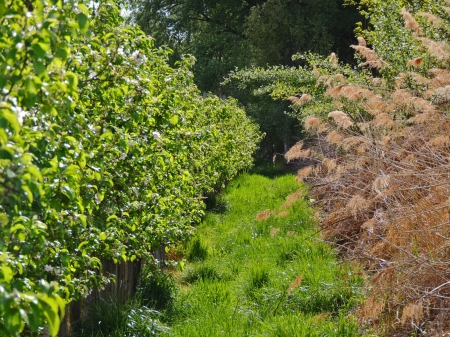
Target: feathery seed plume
439,50
383,120
361,41
341,118
334,60
435,21
411,23
334,137
372,58
312,122
304,173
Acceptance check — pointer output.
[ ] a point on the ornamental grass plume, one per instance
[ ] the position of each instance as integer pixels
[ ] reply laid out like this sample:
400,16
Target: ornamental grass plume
411,23
341,118
297,152
371,57
435,21
312,122
416,62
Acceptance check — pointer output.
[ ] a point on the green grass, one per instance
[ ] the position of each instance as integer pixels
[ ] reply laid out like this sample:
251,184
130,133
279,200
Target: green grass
237,279
239,274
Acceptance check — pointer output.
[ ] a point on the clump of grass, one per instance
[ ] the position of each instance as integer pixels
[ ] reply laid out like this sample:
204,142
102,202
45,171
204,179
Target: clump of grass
201,272
156,289
112,318
197,250
258,278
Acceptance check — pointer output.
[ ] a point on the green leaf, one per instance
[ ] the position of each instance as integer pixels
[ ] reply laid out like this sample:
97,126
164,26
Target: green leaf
7,273
15,228
112,217
35,319
82,7
83,22
6,153
2,8
52,315
174,119
82,218
102,236
82,160
39,67
33,170
13,321
7,118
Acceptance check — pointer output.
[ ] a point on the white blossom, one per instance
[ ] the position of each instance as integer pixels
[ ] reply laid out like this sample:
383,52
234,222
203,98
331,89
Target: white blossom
156,135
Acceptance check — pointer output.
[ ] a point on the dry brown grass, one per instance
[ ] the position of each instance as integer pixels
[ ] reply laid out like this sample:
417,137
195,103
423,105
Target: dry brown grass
386,196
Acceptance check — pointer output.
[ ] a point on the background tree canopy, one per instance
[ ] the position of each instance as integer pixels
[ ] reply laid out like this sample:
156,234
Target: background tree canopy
229,34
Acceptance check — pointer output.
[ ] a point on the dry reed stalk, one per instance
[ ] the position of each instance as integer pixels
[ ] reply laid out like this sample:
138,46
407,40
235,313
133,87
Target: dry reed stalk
387,197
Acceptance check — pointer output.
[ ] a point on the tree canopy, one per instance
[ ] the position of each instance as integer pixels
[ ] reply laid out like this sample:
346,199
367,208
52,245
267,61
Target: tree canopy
223,35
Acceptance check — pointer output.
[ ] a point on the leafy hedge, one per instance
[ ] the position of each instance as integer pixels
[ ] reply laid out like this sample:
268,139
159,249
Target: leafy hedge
105,151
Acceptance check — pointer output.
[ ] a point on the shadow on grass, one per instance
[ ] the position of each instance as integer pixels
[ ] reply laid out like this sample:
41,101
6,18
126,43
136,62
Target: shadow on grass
271,170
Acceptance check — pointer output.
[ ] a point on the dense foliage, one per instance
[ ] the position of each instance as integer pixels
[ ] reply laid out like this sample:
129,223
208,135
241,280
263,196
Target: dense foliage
106,151
225,35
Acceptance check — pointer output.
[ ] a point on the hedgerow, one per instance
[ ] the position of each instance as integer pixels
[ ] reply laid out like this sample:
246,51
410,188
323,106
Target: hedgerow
105,152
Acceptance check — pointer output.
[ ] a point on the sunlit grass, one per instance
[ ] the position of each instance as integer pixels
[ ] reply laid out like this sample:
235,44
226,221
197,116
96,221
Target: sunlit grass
272,277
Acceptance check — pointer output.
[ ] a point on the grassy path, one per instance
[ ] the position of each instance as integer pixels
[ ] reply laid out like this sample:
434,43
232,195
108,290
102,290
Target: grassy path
269,276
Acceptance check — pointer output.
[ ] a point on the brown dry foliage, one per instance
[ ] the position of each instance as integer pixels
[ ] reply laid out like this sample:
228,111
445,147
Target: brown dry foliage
386,198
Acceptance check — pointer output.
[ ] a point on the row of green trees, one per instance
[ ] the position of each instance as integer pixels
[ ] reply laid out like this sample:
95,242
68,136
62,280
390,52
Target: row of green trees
225,35
105,151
